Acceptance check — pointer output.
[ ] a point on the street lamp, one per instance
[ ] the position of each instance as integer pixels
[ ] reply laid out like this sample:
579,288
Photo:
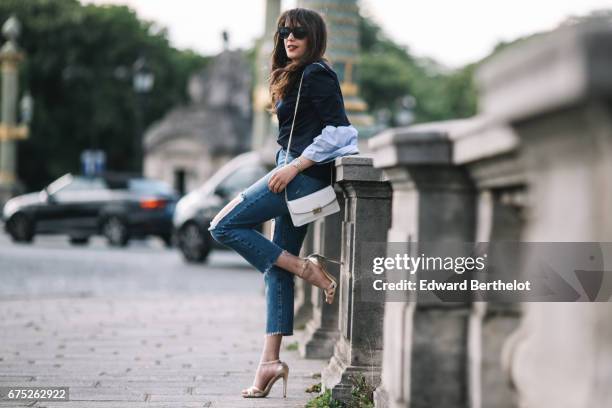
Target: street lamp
142,81
10,131
405,114
143,77
26,106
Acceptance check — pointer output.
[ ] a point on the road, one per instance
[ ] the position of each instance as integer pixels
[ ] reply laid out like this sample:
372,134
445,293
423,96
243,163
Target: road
136,327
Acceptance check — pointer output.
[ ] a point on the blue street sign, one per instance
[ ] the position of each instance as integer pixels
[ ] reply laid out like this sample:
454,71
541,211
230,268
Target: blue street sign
93,162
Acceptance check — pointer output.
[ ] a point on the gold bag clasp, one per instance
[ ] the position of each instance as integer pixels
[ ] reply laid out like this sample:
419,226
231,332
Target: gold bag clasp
316,210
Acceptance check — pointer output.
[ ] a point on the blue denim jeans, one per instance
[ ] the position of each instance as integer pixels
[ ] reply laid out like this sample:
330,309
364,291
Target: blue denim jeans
234,227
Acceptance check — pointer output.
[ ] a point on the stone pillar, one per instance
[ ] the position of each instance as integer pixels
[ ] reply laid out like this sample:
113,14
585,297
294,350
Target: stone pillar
425,353
303,305
555,91
492,323
489,151
322,330
366,218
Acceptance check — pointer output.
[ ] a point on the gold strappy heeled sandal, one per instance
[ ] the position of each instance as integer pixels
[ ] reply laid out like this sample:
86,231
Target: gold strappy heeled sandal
318,260
281,371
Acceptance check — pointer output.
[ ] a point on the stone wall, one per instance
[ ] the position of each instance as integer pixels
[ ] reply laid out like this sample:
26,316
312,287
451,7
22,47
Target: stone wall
535,165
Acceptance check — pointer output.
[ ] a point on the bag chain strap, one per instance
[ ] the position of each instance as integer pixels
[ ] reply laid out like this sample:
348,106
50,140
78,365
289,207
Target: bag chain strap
291,132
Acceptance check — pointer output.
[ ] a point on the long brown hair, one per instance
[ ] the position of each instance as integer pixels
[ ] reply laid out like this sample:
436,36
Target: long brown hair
285,72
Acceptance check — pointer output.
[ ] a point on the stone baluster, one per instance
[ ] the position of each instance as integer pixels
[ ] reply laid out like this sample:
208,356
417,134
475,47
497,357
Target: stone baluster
366,218
489,151
425,344
303,306
322,330
555,92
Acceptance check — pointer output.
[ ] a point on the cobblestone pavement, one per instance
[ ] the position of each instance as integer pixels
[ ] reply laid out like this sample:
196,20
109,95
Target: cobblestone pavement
137,348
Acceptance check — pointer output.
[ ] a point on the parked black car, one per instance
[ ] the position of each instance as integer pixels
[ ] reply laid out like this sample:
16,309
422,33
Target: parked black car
195,210
117,206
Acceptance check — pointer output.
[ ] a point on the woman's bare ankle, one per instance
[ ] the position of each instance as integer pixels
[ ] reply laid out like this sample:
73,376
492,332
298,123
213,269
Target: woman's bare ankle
290,262
268,358
303,269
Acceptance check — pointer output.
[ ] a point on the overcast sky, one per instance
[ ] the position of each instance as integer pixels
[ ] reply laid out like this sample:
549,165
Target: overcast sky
450,31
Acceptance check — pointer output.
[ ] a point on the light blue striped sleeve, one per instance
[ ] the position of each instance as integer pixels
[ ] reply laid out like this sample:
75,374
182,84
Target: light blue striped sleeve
333,142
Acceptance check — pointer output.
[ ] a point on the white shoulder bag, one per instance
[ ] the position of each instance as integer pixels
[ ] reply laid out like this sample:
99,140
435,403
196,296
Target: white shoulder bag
314,205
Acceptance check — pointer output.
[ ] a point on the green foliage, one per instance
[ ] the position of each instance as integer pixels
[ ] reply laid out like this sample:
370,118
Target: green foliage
362,392
78,68
362,395
388,72
324,400
292,346
314,388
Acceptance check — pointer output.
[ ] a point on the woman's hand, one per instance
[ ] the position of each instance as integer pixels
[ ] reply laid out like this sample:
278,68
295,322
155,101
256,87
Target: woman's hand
279,180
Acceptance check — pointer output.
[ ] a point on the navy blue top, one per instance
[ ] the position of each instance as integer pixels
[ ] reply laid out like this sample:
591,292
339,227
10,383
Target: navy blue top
321,104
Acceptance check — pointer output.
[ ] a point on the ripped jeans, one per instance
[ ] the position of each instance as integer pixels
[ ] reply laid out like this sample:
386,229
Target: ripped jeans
234,227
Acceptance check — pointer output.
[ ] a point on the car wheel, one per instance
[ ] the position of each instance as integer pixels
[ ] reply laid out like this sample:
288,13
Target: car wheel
21,229
193,243
116,232
79,240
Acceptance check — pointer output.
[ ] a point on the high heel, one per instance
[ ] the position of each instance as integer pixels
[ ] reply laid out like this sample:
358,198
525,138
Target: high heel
282,371
326,258
318,259
285,378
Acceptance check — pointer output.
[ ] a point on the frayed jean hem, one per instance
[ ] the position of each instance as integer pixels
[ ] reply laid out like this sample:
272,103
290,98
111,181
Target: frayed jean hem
271,263
281,333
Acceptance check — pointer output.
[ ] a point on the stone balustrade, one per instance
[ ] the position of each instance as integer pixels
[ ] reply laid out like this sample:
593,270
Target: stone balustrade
535,165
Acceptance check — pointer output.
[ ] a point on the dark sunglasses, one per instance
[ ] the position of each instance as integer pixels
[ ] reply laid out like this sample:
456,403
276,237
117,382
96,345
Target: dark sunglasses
298,32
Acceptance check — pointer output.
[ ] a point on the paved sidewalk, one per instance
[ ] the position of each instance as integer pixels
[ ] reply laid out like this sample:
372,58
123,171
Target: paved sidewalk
145,351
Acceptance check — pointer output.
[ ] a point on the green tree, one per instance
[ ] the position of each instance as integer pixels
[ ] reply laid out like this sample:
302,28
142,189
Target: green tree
388,71
78,69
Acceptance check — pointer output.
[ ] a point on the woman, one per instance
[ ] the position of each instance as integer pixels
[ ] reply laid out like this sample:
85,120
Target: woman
321,133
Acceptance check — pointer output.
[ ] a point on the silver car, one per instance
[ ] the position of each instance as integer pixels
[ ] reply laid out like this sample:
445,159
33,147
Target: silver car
195,210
